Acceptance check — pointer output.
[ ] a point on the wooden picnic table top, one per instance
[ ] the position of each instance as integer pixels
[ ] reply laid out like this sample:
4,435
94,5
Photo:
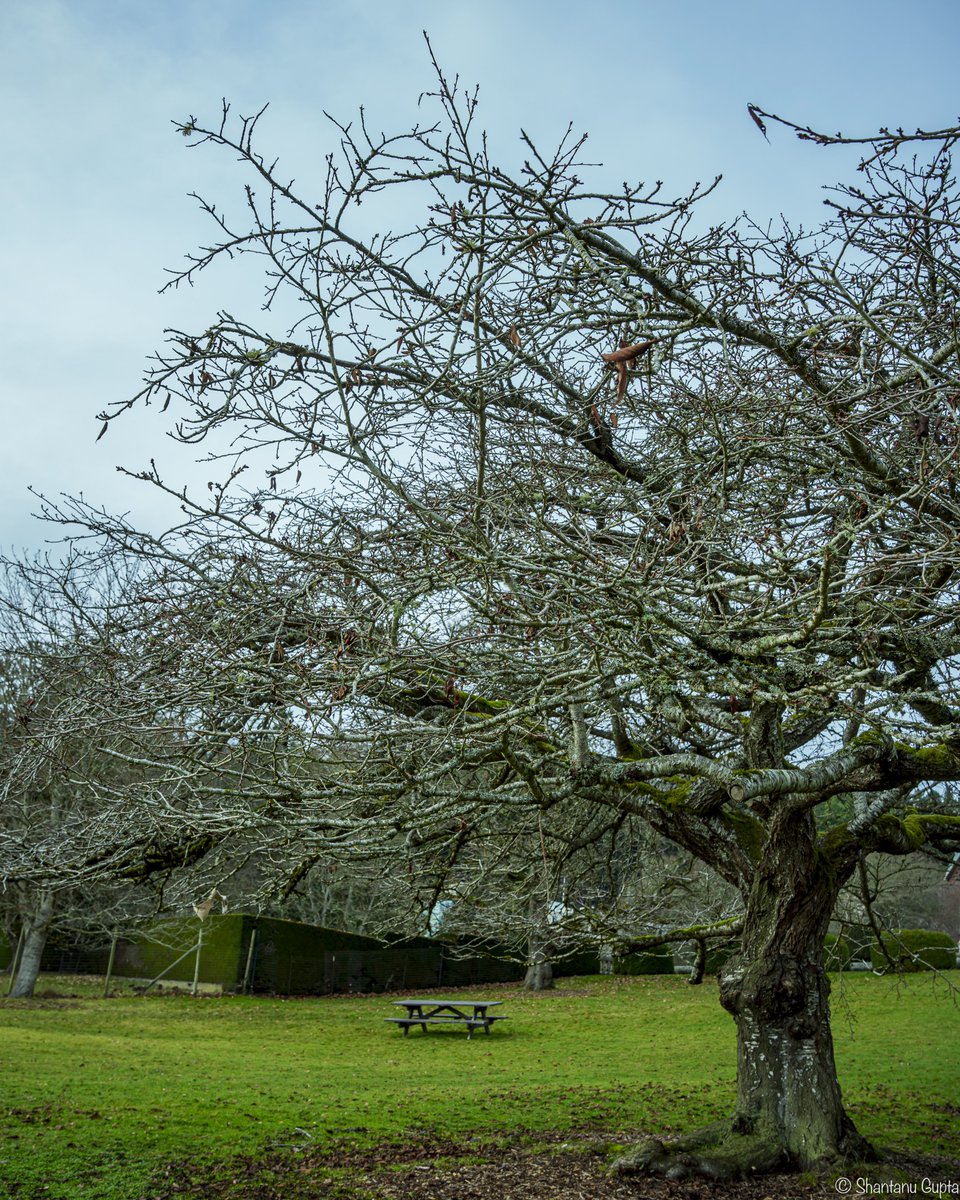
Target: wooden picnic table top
446,1003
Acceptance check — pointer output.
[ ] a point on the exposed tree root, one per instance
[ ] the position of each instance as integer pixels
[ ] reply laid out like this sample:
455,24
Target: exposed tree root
716,1152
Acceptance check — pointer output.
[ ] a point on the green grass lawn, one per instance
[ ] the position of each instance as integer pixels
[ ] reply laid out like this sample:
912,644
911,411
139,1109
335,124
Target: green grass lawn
99,1094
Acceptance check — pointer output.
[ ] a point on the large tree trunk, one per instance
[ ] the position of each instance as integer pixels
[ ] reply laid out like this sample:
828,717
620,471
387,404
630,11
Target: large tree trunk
36,926
539,976
778,992
789,1111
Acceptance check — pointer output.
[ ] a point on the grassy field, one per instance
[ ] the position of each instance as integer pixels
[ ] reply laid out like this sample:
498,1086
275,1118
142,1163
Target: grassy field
99,1094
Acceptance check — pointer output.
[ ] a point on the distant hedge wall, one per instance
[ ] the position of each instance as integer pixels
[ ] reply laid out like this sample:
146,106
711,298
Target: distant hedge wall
291,958
68,952
163,942
587,962
658,961
916,950
717,959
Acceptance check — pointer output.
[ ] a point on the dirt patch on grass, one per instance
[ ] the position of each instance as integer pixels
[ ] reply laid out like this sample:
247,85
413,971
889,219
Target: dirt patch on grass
48,1000
425,1168
563,1175
561,992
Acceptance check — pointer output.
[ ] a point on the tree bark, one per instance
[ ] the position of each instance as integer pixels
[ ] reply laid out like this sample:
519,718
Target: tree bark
36,928
699,962
789,1110
539,976
778,993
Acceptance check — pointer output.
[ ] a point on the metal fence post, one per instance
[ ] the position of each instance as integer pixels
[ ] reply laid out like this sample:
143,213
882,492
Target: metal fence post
248,968
110,961
15,961
196,965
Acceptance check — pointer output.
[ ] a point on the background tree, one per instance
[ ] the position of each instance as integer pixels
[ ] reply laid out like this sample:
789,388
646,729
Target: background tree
576,511
56,765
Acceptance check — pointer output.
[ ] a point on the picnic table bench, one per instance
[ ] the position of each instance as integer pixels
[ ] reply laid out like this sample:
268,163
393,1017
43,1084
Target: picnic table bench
470,1013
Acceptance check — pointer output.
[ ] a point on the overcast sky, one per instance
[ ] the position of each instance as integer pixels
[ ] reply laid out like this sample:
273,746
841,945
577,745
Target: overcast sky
95,181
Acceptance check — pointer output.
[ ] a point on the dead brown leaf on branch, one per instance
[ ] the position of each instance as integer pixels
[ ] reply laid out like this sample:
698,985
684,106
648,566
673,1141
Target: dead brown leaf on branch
621,359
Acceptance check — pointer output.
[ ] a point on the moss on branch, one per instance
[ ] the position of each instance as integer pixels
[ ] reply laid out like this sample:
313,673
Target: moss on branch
907,833
747,829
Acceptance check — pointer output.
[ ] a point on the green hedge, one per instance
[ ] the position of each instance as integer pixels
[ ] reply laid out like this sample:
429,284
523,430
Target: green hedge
585,962
658,961
293,958
717,958
916,950
162,943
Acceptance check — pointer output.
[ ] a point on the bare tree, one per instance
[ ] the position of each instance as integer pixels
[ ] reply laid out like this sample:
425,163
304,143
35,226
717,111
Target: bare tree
575,512
55,766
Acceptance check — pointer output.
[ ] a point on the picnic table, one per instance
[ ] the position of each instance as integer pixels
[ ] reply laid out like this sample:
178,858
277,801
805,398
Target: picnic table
470,1013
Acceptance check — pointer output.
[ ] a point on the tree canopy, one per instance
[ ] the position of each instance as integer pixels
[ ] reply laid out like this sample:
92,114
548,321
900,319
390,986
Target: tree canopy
557,512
